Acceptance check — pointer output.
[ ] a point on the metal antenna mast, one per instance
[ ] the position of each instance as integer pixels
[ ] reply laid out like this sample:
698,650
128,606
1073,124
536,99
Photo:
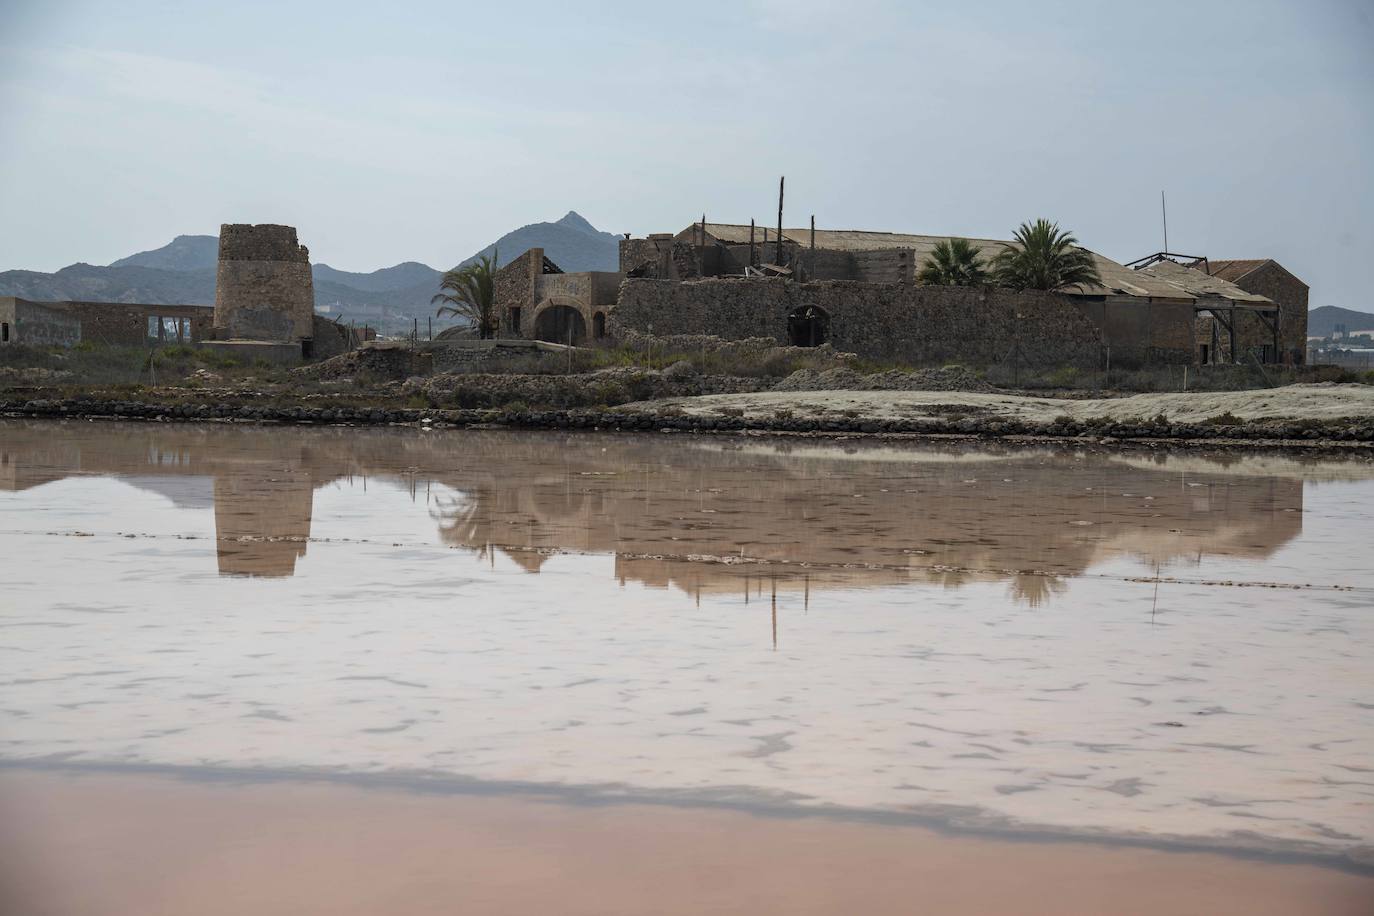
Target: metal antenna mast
1164,210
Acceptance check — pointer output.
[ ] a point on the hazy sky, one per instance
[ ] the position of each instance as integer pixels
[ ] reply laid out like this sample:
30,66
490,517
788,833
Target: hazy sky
421,131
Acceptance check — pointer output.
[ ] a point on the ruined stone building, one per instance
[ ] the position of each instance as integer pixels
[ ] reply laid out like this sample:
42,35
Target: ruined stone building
125,324
1265,278
265,296
25,322
264,308
857,291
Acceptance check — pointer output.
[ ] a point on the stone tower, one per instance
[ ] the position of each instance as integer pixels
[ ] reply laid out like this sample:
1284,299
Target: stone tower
263,287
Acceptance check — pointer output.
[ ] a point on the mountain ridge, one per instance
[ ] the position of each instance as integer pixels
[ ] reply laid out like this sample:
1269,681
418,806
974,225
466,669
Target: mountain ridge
1322,321
183,272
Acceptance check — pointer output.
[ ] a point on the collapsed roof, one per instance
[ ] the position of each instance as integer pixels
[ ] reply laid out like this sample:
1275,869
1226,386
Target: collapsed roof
1172,282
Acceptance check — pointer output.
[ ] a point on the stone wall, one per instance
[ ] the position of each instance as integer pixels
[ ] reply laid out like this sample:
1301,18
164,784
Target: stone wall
515,289
665,258
901,323
329,338
263,287
891,265
24,322
499,356
1290,294
589,288
1253,335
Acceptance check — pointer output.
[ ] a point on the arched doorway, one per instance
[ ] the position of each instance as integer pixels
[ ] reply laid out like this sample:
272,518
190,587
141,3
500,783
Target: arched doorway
808,326
599,325
557,322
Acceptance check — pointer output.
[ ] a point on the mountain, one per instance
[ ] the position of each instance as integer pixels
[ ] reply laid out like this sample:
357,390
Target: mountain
572,243
1321,322
113,284
405,274
185,252
183,271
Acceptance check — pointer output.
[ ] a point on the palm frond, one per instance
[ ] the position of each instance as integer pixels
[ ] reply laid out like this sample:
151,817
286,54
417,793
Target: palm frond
470,292
1044,257
953,262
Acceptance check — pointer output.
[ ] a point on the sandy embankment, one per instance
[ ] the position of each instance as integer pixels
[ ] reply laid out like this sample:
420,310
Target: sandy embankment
100,844
1292,402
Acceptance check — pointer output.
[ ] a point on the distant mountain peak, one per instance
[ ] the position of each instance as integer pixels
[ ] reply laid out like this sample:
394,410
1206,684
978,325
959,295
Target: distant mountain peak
185,252
574,220
571,242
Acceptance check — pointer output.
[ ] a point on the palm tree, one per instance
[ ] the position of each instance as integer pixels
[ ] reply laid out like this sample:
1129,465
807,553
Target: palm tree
1044,256
470,292
953,262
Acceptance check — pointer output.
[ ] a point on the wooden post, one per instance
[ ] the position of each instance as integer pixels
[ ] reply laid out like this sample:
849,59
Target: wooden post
782,182
813,247
1235,359
752,259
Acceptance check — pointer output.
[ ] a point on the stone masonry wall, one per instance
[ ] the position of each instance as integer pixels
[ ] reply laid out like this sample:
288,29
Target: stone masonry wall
127,324
1253,335
263,286
1290,294
515,288
30,323
910,324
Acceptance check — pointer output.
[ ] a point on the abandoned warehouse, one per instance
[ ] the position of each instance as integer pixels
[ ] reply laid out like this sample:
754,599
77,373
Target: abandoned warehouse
857,291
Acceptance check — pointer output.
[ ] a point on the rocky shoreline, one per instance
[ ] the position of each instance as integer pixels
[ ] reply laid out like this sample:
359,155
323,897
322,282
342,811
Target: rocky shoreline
1353,434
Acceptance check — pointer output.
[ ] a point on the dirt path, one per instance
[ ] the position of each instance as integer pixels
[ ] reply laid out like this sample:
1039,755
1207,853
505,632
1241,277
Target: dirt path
1295,402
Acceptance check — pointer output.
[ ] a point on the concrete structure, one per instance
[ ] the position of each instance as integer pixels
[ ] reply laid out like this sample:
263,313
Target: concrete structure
858,290
25,322
127,324
264,290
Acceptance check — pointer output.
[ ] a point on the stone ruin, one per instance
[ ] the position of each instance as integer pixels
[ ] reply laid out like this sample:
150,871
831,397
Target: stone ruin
264,291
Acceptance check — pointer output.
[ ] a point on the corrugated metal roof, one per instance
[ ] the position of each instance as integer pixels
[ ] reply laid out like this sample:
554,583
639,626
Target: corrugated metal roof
1116,278
1199,285
1233,270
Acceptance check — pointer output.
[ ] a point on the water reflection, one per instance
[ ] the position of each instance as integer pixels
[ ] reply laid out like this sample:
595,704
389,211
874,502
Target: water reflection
706,515
351,641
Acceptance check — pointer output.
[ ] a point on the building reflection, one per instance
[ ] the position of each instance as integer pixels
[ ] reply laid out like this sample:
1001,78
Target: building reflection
706,515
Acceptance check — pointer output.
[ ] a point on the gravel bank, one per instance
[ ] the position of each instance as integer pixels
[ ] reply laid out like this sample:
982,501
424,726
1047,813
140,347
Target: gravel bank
1318,402
1329,429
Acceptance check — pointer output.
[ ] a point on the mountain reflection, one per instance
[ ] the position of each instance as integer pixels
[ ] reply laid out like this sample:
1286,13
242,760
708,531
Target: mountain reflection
742,516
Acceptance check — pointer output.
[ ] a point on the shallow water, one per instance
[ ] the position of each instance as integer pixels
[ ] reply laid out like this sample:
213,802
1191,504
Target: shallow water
1044,640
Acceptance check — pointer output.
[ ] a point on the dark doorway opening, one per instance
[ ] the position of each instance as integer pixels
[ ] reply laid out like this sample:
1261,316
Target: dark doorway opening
560,324
599,325
808,326
5,331
514,325
307,348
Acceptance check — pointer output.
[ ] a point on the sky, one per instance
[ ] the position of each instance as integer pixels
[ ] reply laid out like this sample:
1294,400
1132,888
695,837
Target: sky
423,131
